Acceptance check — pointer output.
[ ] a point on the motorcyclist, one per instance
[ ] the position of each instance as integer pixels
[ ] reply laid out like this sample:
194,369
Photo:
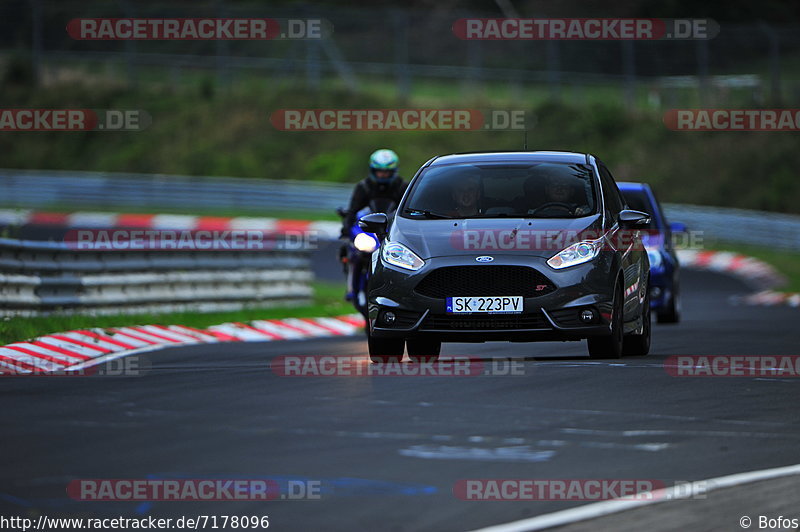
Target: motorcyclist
382,189
382,182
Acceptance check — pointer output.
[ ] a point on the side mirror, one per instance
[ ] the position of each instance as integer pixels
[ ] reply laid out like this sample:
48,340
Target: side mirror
374,223
678,227
630,219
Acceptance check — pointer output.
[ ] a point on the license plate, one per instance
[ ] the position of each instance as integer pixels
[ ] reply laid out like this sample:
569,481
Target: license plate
485,305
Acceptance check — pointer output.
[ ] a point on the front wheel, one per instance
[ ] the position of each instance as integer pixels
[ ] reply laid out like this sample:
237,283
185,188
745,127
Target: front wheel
382,350
423,350
672,312
609,346
639,344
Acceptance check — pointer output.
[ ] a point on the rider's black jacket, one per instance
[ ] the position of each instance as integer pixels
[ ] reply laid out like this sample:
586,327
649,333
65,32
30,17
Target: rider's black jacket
367,190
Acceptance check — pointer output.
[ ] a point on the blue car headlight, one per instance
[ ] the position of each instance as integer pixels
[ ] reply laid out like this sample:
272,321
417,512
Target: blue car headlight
656,260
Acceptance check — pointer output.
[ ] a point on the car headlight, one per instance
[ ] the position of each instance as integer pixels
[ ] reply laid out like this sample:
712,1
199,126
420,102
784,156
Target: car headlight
577,253
398,255
365,242
656,260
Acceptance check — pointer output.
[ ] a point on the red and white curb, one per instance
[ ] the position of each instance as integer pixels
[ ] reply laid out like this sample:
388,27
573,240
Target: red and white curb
80,349
176,222
751,270
770,298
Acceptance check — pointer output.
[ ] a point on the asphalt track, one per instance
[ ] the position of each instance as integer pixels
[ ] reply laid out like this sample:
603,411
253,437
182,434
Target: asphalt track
388,451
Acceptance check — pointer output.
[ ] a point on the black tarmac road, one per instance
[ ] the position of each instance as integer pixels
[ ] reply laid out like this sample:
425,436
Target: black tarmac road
386,452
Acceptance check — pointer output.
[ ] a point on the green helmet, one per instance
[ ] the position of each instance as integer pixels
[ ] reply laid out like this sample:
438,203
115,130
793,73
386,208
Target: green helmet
383,159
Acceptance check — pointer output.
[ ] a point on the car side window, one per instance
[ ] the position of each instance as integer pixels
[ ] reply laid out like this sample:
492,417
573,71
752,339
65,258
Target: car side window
613,199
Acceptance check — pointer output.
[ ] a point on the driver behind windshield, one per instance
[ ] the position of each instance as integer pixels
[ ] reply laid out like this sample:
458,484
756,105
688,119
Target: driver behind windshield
552,193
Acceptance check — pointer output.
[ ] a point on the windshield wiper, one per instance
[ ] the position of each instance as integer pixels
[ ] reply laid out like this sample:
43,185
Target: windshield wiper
426,214
540,217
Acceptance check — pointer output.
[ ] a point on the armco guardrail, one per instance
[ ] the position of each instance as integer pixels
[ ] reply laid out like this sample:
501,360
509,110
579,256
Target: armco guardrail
766,229
46,277
40,189
23,188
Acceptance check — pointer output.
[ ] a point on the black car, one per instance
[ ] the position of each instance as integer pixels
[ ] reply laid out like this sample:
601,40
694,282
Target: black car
509,246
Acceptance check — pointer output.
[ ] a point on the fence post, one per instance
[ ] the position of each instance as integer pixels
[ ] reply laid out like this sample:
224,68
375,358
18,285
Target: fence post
701,51
553,68
474,62
338,62
402,74
774,62
130,47
36,14
222,50
629,67
312,65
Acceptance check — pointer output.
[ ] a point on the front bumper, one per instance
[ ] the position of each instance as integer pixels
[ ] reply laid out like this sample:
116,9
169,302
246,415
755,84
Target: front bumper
661,288
552,316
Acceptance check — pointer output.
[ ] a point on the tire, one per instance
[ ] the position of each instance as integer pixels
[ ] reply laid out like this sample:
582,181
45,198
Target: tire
420,350
639,344
609,346
382,350
671,314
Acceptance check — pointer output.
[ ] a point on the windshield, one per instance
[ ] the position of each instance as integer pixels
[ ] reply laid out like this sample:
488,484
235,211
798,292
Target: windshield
541,190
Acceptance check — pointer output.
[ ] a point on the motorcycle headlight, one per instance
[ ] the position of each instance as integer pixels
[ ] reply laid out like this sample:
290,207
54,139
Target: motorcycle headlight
366,243
656,260
397,254
577,253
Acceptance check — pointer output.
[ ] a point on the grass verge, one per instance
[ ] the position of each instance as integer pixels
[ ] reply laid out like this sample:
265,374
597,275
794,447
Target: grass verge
328,301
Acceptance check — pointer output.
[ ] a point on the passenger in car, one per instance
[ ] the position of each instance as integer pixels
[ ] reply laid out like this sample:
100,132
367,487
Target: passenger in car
466,195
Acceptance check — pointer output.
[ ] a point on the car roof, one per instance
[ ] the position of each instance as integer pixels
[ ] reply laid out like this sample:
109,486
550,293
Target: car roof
512,156
630,185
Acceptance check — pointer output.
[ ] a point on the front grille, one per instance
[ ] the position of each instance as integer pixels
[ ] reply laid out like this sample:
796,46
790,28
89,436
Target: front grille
484,281
492,321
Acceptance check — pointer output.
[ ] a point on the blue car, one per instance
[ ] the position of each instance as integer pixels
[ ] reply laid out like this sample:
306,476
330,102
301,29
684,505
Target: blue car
664,267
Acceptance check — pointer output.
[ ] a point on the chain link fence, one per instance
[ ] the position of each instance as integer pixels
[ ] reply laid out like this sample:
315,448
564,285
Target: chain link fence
407,48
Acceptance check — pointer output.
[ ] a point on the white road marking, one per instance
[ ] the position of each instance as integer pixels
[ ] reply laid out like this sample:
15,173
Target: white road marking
599,509
521,453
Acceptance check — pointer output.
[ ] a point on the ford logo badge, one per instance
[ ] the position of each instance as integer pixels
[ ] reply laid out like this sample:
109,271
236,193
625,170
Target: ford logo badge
484,258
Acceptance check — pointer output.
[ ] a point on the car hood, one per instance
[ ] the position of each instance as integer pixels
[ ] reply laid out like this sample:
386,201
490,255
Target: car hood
539,237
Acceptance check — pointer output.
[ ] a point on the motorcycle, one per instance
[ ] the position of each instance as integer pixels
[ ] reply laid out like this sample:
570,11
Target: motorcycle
356,255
